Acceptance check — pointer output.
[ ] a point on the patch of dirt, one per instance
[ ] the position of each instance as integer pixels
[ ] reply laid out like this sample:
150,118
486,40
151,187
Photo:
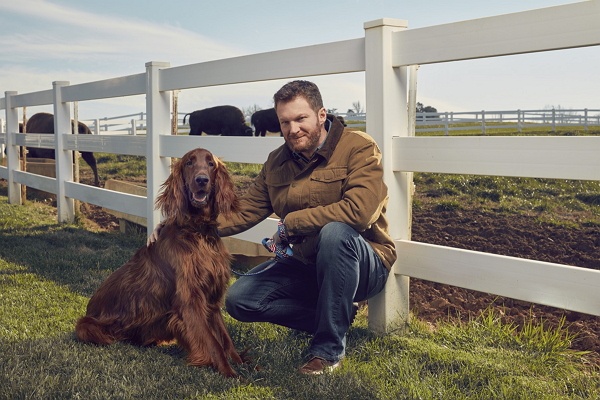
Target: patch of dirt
473,229
504,234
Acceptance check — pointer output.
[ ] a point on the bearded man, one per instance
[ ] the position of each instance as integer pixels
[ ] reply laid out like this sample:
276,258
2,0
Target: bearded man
332,246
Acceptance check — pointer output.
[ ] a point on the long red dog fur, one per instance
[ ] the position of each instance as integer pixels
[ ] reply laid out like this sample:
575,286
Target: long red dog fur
174,289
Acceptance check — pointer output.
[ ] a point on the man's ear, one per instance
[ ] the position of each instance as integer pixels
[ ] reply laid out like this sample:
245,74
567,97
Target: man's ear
322,115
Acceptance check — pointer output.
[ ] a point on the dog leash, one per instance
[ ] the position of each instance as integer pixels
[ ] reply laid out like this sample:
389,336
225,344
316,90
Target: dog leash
268,267
281,252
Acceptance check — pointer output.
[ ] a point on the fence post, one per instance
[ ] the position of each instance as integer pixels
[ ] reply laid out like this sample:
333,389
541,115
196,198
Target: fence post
76,153
64,158
553,120
585,116
174,113
483,122
412,100
158,121
386,95
519,123
13,163
446,131
3,145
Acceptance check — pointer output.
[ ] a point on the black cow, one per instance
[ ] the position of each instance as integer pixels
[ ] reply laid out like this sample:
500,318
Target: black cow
44,123
265,120
219,120
341,119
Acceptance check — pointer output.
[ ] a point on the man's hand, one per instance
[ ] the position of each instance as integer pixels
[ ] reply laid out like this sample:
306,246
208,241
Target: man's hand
279,244
279,237
154,235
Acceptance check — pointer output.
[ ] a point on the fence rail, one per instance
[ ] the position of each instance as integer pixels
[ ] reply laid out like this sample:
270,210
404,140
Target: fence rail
388,55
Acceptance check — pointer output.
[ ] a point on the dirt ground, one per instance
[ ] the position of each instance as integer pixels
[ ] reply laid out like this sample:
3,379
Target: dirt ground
511,236
496,233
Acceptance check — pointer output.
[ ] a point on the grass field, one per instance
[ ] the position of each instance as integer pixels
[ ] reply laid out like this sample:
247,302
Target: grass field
48,271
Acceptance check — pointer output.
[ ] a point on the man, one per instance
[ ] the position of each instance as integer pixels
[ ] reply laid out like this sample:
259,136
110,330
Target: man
332,244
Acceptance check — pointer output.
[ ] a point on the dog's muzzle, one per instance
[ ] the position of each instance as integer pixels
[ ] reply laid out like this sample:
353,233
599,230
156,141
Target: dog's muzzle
199,197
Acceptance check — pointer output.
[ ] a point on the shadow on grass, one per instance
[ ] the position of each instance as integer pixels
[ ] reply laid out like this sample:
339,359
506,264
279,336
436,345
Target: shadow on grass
64,253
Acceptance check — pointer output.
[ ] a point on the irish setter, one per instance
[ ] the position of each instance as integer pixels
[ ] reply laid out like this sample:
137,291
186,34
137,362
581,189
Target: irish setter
173,289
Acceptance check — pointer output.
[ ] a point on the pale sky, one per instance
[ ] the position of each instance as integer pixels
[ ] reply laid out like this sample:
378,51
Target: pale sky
42,41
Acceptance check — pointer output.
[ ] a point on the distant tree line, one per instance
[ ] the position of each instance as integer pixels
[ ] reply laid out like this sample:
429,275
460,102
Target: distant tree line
429,109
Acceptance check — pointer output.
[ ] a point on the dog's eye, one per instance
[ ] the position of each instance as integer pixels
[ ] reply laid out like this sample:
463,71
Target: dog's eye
211,164
189,163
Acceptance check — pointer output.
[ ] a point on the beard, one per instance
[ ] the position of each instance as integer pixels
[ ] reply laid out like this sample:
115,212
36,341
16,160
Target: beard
306,141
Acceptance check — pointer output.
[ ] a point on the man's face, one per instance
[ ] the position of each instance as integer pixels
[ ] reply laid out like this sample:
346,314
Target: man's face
302,127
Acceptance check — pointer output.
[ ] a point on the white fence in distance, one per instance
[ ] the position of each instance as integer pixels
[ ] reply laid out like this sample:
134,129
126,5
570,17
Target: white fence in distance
387,55
516,120
426,122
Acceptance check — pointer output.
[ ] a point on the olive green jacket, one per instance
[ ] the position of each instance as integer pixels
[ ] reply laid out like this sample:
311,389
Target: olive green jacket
343,182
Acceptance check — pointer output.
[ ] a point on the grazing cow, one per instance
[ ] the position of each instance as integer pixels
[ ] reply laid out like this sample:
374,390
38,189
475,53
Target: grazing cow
44,123
341,119
265,120
219,120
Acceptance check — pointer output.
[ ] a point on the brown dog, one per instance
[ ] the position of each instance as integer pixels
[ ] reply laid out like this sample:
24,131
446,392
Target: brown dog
173,289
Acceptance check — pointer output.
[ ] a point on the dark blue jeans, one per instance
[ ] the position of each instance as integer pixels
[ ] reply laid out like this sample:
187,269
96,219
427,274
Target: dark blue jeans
316,298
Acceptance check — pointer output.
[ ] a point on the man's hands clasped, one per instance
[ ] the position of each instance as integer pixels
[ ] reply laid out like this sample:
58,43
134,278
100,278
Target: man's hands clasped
279,244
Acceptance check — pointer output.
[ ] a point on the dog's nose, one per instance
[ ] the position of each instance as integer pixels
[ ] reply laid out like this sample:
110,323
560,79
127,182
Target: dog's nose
202,180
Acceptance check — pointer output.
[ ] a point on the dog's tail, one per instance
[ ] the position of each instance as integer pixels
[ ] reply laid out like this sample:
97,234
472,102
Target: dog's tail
90,330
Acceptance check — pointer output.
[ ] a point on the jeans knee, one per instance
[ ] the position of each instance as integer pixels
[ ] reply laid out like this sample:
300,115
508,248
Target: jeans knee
336,243
233,303
230,305
333,233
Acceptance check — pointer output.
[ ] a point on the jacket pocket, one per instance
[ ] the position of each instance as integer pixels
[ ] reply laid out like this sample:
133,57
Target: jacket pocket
326,185
278,186
282,177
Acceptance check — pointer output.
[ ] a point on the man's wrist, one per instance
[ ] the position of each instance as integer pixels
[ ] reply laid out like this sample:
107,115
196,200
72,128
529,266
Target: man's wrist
282,230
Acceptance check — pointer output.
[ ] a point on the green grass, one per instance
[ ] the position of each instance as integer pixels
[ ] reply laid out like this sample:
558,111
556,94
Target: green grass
125,167
561,202
249,170
120,166
49,270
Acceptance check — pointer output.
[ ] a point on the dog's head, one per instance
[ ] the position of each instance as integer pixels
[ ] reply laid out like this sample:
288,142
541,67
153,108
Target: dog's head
199,183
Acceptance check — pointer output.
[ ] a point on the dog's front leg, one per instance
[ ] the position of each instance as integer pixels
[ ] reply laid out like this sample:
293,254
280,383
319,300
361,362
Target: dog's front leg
196,336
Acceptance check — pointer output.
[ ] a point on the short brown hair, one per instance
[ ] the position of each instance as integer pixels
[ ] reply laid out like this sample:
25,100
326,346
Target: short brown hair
299,88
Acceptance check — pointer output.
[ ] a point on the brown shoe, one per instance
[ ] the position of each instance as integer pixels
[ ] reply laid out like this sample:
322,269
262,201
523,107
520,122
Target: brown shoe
317,366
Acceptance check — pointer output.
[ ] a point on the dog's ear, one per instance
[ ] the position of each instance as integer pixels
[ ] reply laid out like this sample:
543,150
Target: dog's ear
172,197
226,200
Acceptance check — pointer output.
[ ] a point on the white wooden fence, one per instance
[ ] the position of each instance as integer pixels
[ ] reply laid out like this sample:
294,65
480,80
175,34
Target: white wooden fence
386,54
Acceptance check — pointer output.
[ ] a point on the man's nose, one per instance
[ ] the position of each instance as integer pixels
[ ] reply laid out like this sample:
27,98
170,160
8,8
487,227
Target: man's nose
294,127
